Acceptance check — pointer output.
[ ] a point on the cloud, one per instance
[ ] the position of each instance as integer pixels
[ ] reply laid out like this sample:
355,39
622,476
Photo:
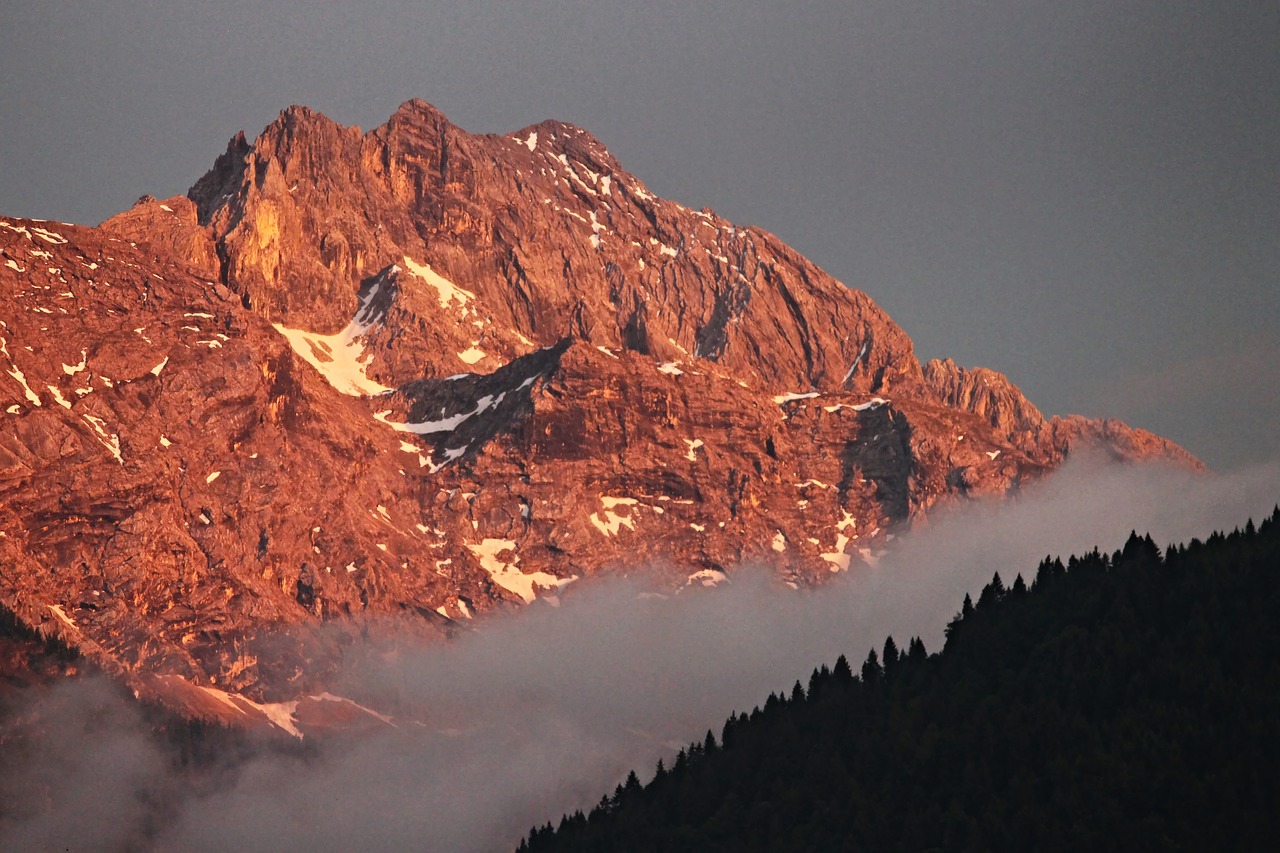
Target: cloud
540,712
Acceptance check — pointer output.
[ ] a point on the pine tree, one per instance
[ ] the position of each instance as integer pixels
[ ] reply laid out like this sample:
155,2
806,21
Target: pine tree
842,671
871,670
890,656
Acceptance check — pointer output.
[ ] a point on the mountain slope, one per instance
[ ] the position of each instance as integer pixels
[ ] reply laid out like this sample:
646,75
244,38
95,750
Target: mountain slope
418,372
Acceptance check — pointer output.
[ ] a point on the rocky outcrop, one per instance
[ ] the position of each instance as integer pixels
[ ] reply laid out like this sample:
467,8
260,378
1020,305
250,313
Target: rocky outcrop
542,236
995,399
411,375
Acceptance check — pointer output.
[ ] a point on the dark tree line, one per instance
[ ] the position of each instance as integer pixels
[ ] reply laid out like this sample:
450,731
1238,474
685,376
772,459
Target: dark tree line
1126,701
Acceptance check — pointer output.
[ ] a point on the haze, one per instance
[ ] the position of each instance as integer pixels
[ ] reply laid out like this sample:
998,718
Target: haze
544,711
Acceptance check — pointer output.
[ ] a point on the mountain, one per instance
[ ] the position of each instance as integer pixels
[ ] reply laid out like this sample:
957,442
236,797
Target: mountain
1121,701
408,376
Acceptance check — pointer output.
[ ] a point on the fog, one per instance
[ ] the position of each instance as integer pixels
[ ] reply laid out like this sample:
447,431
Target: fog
535,713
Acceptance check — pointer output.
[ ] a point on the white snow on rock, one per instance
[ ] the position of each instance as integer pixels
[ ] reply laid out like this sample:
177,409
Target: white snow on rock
596,229
444,424
838,559
861,353
280,714
694,444
873,403
707,577
56,610
992,454
794,395
73,369
17,374
109,440
505,574
57,396
607,521
472,355
532,141
155,371
779,543
48,236
670,368
213,475
340,357
447,291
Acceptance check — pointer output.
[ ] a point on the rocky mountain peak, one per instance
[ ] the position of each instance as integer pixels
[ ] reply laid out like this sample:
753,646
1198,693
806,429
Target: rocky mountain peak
420,373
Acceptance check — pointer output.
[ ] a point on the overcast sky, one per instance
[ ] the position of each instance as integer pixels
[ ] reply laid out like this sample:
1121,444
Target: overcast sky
1083,195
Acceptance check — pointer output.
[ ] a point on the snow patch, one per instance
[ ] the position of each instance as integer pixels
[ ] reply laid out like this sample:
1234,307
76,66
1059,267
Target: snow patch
838,559
340,358
506,575
849,373
56,610
73,369
472,355
874,402
446,291
707,577
17,374
794,395
608,522
48,236
109,440
694,444
57,396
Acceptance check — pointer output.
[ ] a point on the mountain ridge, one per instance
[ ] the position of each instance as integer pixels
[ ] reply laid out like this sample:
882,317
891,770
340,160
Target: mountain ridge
415,372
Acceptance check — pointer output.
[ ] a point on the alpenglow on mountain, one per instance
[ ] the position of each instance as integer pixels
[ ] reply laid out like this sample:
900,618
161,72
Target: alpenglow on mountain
421,373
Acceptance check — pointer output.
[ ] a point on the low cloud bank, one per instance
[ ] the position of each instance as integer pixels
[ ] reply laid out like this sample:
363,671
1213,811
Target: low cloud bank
546,710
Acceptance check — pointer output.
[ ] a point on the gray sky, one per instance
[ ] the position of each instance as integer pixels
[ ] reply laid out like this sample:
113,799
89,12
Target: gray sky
1084,195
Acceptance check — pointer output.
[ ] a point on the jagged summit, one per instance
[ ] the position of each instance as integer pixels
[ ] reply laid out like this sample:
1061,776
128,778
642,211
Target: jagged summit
419,373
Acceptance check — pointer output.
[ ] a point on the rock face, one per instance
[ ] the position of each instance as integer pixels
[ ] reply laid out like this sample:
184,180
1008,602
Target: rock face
420,373
995,399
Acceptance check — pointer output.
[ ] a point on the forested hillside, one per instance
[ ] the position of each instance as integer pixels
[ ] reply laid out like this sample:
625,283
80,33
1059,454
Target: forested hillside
1120,701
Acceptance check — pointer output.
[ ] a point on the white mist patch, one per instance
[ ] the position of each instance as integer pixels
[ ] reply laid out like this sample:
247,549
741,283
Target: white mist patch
522,717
